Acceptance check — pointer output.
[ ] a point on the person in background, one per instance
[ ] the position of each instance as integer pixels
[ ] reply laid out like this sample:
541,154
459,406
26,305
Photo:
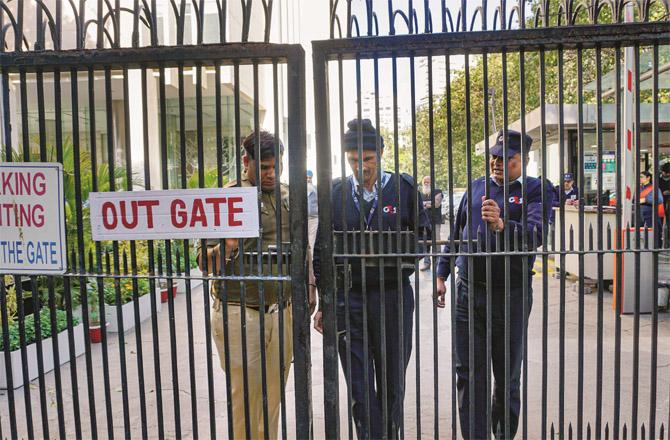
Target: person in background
647,205
570,193
486,217
432,203
664,185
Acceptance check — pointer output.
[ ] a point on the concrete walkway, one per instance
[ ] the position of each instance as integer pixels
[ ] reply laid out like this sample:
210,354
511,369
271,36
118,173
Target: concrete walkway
420,408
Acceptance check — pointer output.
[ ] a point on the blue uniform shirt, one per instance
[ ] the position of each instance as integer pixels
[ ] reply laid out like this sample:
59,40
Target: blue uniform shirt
390,205
478,228
562,196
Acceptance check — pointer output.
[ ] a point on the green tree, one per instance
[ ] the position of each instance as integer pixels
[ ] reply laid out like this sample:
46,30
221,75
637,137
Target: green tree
468,87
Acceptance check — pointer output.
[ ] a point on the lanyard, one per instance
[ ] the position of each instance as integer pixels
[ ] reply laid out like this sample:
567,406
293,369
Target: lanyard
368,220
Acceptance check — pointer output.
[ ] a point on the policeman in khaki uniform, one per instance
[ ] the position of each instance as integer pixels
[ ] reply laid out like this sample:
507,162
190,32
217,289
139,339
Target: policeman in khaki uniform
232,293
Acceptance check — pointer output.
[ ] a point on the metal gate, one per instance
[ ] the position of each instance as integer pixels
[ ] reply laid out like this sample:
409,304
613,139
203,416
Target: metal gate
587,88
155,108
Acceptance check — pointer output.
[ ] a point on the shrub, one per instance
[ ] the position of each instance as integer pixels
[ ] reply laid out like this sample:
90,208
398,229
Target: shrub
29,322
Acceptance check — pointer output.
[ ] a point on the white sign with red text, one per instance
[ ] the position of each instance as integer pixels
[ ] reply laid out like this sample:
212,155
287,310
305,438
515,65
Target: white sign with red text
32,218
168,214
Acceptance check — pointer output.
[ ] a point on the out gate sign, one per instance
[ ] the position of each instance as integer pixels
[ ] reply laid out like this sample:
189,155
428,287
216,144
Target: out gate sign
32,218
186,213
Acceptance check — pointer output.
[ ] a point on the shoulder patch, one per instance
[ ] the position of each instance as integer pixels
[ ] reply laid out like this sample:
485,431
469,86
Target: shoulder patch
409,180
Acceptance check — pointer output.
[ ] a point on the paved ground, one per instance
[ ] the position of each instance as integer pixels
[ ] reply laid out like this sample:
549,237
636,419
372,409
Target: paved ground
420,376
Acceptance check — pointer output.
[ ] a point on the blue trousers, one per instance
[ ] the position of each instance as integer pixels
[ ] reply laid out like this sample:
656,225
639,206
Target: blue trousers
397,356
465,293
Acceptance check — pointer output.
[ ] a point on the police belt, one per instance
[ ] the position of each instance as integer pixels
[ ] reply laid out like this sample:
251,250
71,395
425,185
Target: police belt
267,308
269,260
271,308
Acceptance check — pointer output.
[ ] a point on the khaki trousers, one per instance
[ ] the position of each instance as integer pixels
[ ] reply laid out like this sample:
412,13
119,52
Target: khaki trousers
254,371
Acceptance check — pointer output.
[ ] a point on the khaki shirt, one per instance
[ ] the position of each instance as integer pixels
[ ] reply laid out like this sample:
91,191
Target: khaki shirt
246,263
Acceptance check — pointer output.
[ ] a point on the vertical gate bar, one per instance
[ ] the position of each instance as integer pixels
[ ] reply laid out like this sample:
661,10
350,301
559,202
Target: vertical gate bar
545,262
19,36
7,355
345,250
19,279
280,254
380,262
52,303
600,255
506,241
619,245
347,279
111,157
83,296
362,246
150,254
133,260
327,292
415,216
51,300
223,287
656,235
168,251
39,30
238,163
243,314
580,182
434,249
452,249
220,184
259,248
524,258
346,268
398,237
7,131
98,254
24,356
561,331
487,242
298,204
637,214
471,303
40,352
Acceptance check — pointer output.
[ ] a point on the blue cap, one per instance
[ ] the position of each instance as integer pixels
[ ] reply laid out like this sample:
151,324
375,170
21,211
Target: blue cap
513,143
369,134
568,176
310,173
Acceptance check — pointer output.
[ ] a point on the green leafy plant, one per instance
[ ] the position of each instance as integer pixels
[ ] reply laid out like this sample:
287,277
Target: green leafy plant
10,299
211,179
29,323
126,289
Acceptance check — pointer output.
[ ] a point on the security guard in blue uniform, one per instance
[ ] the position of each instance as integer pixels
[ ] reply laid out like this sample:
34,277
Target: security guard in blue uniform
569,194
363,196
487,217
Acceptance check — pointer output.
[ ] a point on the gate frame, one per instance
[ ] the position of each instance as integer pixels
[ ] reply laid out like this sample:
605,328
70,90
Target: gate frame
417,45
225,54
